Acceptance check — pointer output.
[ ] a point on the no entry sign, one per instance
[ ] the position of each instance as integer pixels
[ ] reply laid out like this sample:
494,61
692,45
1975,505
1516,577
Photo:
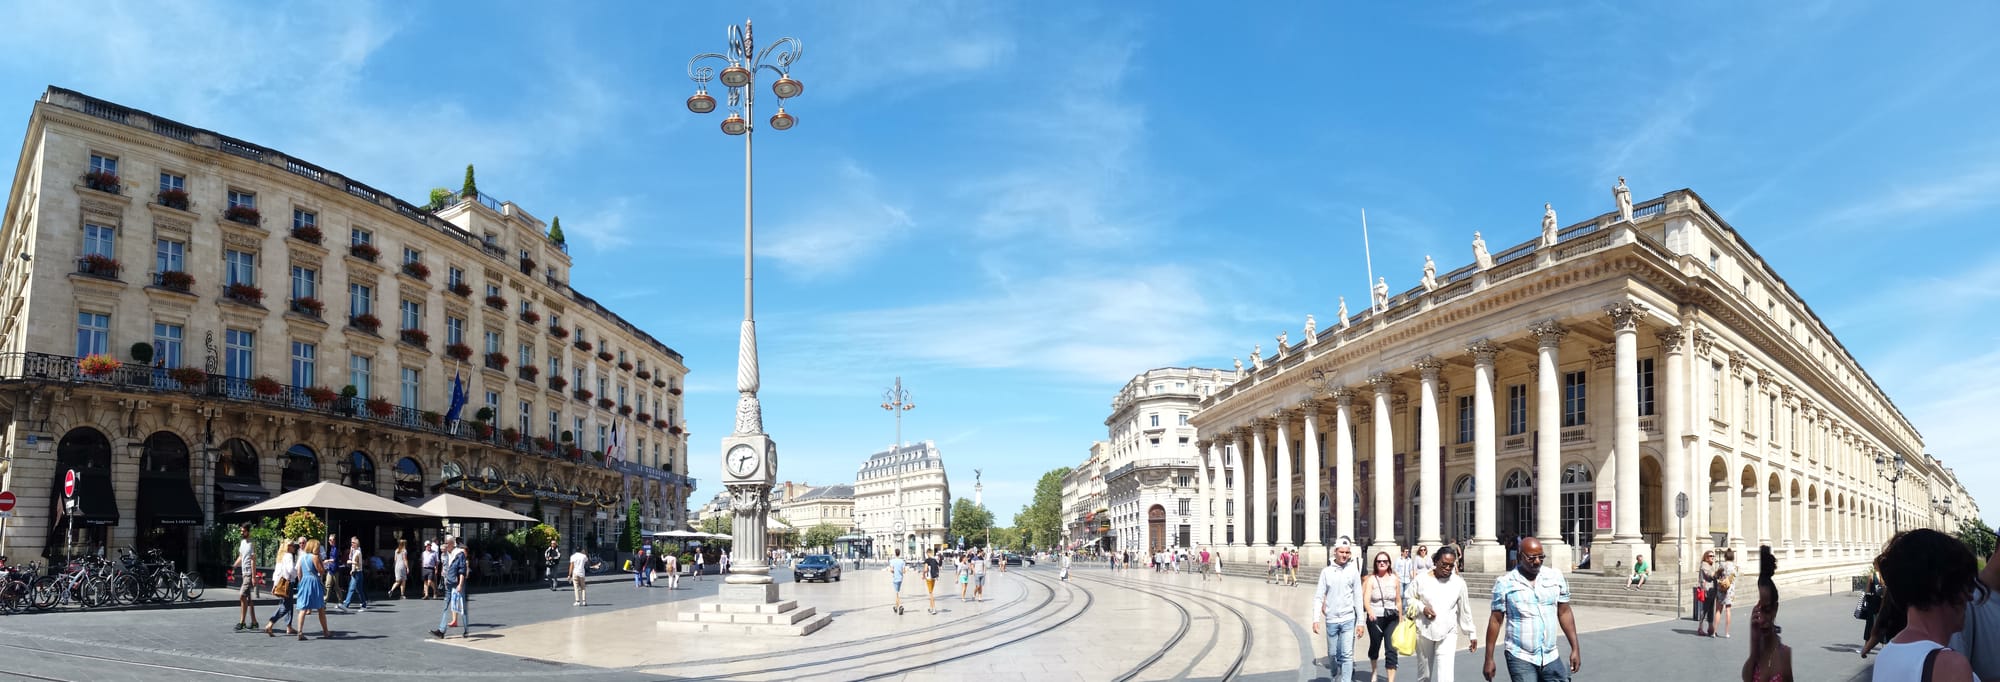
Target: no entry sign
69,484
6,502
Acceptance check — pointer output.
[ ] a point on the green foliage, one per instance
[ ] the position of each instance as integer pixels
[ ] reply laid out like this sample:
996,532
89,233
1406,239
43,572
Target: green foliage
536,511
969,521
555,231
1040,522
821,537
485,414
629,540
717,524
533,539
142,353
1978,536
304,524
1008,538
440,198
349,391
471,188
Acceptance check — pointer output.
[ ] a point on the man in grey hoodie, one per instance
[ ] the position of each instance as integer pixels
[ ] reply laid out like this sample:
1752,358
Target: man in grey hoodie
1337,602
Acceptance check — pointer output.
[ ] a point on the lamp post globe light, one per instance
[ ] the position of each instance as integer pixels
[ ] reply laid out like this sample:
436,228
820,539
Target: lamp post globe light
1892,468
897,401
750,457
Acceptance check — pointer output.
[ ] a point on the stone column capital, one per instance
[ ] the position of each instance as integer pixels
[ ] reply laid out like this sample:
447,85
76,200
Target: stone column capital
1483,351
1626,315
1383,382
1309,408
1429,366
1344,396
1203,444
1282,417
1704,342
1548,333
1671,338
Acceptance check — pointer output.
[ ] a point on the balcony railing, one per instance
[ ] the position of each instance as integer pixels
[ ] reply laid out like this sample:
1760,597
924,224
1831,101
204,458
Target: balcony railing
46,367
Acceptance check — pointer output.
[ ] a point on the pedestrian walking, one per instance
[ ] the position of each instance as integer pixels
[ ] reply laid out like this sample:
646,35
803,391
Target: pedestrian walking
1530,606
896,570
932,567
551,565
1065,566
246,579
1725,583
979,578
1932,576
1770,660
402,569
639,567
698,568
1339,604
1381,592
336,566
1889,621
453,568
1406,568
673,563
431,568
311,596
357,575
284,582
577,583
1980,638
1204,564
964,563
1444,614
1705,595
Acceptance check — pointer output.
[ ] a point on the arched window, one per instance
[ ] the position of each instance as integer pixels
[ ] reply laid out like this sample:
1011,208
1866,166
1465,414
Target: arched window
88,452
238,460
1579,504
1462,508
301,469
361,472
83,448
409,479
164,453
1516,505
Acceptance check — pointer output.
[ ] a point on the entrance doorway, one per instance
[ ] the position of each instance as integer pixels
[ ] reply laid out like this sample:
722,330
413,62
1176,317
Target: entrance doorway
1516,506
1156,528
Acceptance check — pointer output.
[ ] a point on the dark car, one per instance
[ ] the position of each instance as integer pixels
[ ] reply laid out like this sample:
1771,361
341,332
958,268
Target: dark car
1012,559
821,567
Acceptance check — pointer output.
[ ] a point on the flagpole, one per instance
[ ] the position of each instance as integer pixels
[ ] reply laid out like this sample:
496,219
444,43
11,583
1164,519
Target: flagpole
1370,257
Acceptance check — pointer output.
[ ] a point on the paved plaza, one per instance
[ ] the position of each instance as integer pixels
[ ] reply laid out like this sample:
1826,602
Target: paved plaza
1100,625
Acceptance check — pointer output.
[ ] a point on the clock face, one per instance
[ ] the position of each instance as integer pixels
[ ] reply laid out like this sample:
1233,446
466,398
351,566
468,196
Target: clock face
742,461
899,526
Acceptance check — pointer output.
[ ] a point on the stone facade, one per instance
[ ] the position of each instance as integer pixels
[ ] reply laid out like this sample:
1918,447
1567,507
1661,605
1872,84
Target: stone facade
1085,509
1152,490
282,281
913,474
829,504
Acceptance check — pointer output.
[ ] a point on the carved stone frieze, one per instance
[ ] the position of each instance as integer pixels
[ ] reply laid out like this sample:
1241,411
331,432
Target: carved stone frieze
1626,315
101,208
1603,358
1671,338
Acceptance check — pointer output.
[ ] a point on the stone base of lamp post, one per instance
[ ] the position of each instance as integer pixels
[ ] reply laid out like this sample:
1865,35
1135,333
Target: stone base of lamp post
1485,557
779,618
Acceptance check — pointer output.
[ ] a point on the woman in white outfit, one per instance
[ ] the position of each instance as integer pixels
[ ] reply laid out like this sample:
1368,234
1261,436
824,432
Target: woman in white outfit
1444,615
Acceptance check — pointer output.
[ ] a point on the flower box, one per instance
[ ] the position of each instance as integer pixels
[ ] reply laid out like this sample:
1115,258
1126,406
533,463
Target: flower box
530,316
660,424
365,322
558,383
527,266
530,372
177,281
675,390
462,289
483,430
266,387
417,270
659,383
510,435
366,252
604,355
582,345
496,360
99,265
459,351
380,407
188,377
97,365
431,419
496,302
543,443
625,410
624,365
416,337
308,234
574,452
605,403
307,305
101,181
245,292
644,375
674,429
174,198
583,394
558,332
597,455
643,417
320,395
247,215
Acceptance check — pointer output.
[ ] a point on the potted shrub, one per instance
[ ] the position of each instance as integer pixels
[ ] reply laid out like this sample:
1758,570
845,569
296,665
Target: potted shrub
542,443
101,181
431,419
246,293
483,430
417,270
627,366
496,360
320,395
496,302
266,387
243,214
459,351
176,280
101,265
605,403
347,396
530,372
575,453
308,234
174,198
364,251
644,375
530,316
558,332
597,455
583,394
625,410
416,337
365,322
98,365
462,289
582,345
510,435
483,415
308,305
188,377
141,353
380,407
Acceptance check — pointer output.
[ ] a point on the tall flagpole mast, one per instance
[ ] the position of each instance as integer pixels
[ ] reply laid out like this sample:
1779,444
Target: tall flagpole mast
1370,258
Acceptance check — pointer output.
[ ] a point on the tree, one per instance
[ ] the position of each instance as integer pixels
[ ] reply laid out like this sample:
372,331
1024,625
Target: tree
471,189
555,231
1976,535
822,536
716,524
628,541
537,510
1007,538
440,198
304,524
1040,522
970,521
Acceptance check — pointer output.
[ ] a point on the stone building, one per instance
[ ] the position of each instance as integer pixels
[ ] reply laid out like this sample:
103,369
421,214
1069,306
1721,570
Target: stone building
828,504
1085,511
1572,387
1152,490
902,500
243,288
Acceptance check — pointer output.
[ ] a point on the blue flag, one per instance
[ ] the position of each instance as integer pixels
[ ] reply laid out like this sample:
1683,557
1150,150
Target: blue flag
458,398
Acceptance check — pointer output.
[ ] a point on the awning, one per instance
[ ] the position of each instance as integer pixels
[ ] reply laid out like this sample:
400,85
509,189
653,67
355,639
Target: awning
239,492
168,501
95,504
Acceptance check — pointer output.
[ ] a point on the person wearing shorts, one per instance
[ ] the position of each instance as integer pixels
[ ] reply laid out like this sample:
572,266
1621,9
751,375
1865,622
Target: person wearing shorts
932,567
896,570
979,578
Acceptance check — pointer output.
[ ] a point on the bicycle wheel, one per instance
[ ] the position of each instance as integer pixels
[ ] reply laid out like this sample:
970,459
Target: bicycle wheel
191,587
165,588
125,589
14,599
43,593
93,592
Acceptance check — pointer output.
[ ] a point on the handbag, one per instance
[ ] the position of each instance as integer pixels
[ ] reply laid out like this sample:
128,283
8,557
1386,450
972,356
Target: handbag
1700,594
1405,637
282,589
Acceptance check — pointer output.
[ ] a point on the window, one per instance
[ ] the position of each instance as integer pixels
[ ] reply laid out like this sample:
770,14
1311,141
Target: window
492,290
93,334
1715,260
360,236
454,330
241,267
492,342
358,370
602,437
1645,387
1517,409
171,182
1749,407
1573,398
413,314
1186,510
239,353
527,411
1155,418
1184,419
107,165
576,434
305,282
555,423
1771,416
1715,391
555,365
526,358
360,299
621,395
1465,423
243,199
454,277
304,369
578,378
603,387
100,240
302,218
170,256
412,386
412,255
167,344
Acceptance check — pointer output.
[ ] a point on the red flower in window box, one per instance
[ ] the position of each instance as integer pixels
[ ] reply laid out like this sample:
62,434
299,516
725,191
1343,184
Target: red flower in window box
660,424
625,365
675,390
675,429
320,395
643,374
416,337
575,453
496,360
308,305
174,198
496,302
245,292
459,351
380,407
659,383
643,417
584,394
510,435
266,387
558,383
530,316
483,430
605,403
101,181
530,372
431,418
583,345
97,365
625,410
188,377
417,270
100,265
543,443
308,234
604,355
365,322
364,251
558,332
527,266
243,214
461,289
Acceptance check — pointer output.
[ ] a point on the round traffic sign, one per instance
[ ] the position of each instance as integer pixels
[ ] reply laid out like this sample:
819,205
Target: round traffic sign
1681,505
6,502
69,484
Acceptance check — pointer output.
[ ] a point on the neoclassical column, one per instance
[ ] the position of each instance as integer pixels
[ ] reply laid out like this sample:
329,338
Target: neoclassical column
1239,482
1625,318
1673,412
1548,441
1309,412
1343,463
1385,460
1260,500
1430,472
1201,516
1485,554
1282,525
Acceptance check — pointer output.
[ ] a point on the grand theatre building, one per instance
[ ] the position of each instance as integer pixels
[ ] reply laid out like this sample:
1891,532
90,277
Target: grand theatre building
240,291
1573,388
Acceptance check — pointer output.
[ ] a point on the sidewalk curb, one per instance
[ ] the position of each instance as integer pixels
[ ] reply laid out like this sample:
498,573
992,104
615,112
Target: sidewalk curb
209,599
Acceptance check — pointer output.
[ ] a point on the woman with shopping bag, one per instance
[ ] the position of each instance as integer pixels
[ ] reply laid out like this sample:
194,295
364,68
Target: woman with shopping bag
1441,611
1379,592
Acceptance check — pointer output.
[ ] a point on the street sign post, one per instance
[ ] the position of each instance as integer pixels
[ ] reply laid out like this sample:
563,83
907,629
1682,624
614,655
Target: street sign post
1680,544
6,501
69,484
6,511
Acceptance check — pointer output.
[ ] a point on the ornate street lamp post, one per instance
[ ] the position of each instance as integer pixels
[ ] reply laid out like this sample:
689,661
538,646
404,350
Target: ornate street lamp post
1892,468
897,401
750,457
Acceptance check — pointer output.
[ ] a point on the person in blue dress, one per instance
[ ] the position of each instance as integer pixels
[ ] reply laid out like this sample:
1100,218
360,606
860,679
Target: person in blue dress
311,592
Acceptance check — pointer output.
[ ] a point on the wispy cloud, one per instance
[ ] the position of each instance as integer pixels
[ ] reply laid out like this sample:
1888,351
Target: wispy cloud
848,222
605,228
1969,188
895,47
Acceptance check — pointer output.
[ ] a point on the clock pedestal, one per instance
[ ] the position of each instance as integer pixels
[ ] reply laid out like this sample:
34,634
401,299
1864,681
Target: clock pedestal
747,602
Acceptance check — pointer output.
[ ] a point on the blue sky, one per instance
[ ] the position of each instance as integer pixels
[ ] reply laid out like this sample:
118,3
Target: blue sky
1018,206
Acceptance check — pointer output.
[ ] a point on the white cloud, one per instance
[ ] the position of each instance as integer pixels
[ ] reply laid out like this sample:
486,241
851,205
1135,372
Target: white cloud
891,48
605,228
848,223
1967,189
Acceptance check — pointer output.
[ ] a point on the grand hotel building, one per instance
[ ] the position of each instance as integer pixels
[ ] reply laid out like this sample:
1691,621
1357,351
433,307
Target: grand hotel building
260,285
1572,388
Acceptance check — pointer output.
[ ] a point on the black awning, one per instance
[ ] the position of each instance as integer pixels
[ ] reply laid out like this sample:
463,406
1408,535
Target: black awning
239,492
168,501
95,504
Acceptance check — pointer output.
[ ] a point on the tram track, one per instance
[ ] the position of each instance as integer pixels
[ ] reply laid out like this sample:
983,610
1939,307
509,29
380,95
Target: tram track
1210,602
